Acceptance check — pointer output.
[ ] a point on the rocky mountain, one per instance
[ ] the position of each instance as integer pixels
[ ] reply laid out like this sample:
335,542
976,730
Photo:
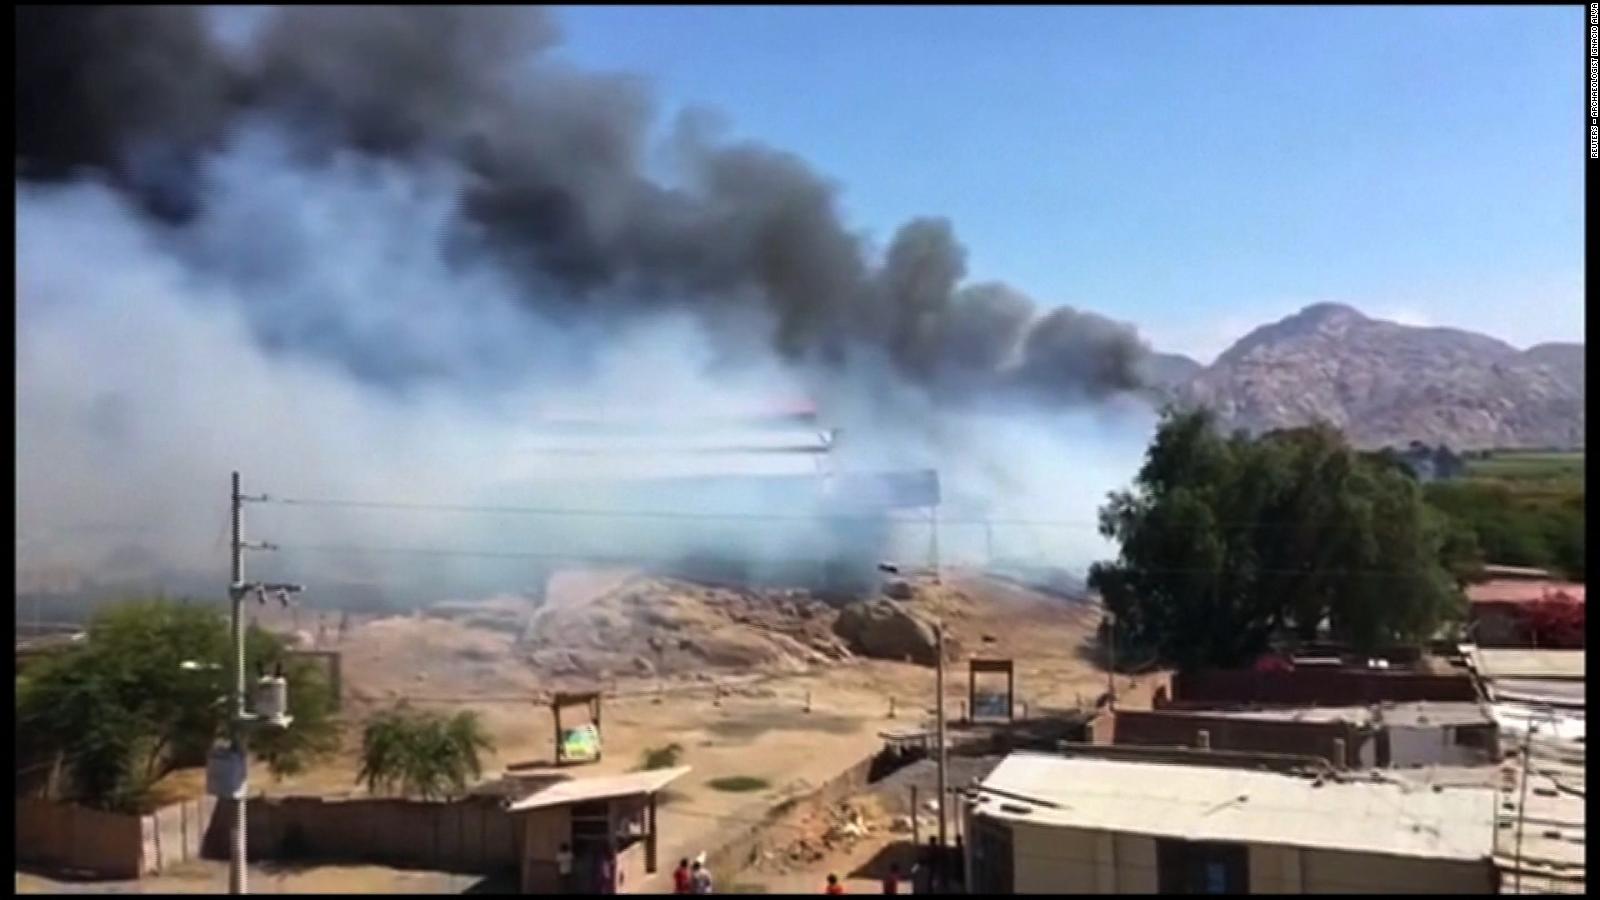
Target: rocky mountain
1169,371
1384,383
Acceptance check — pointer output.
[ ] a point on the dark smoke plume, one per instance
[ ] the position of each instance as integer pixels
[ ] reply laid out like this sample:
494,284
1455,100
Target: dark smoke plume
555,191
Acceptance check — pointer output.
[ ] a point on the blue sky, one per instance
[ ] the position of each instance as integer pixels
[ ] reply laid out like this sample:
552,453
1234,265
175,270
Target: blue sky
1196,171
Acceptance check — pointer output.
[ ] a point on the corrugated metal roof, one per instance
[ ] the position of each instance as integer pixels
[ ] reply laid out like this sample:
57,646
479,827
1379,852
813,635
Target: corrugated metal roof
1515,572
1543,691
1514,718
1515,590
1206,803
580,790
1355,715
1527,663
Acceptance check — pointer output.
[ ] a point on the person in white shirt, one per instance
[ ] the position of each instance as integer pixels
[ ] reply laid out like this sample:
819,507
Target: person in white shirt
564,868
700,876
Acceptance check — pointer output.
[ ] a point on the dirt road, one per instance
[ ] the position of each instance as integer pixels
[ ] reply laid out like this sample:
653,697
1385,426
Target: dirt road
212,878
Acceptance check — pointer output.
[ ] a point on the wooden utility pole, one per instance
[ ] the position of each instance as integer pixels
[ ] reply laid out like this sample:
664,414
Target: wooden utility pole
938,632
1522,804
916,822
1111,657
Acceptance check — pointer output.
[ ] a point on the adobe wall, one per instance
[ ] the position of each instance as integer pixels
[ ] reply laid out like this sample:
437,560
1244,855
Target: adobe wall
475,834
1316,687
1182,729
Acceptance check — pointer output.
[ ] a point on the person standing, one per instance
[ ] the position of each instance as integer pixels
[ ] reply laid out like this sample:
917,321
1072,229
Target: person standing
700,876
927,874
891,881
683,878
564,868
834,887
608,873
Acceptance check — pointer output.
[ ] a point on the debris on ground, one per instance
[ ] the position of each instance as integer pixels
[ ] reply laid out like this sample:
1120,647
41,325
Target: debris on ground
836,828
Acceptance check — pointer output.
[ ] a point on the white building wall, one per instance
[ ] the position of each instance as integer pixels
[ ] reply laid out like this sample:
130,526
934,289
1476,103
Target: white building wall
1275,870
1053,860
1336,872
1050,860
1429,745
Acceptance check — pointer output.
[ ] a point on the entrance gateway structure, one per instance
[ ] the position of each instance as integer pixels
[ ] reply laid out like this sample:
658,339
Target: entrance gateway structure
1000,707
581,744
608,815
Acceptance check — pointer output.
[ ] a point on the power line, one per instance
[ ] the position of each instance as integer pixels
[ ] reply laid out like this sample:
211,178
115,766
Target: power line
640,514
578,512
573,556
625,559
691,514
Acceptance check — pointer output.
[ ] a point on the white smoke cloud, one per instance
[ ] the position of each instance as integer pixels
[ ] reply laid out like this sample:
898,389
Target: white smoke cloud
154,359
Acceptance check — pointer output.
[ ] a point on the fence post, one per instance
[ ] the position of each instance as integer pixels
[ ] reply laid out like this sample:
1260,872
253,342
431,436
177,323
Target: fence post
916,820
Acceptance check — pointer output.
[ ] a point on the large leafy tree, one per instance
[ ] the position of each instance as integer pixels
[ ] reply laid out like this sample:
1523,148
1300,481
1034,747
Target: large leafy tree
1520,524
1226,541
422,754
120,710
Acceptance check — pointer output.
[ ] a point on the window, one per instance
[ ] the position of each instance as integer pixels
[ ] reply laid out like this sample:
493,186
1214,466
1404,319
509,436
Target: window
1184,867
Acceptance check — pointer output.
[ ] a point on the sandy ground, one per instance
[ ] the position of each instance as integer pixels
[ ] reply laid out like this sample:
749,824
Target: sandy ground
212,878
760,729
757,725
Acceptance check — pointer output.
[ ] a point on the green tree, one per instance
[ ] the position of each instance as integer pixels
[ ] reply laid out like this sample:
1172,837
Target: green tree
1227,541
1518,523
422,754
120,711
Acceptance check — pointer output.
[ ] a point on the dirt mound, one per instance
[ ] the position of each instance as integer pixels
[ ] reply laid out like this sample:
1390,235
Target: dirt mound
617,626
654,626
396,657
884,629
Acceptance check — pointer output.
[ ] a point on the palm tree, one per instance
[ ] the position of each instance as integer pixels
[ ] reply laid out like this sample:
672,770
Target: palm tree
422,754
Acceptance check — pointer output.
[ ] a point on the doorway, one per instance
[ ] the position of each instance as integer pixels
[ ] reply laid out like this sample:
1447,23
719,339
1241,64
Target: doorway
1196,867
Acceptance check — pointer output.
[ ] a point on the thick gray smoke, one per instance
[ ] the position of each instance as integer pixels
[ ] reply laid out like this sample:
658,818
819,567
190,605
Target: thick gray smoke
362,249
553,185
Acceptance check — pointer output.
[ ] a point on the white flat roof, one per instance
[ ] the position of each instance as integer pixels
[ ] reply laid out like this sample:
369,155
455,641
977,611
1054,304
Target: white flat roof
1218,804
1527,663
601,787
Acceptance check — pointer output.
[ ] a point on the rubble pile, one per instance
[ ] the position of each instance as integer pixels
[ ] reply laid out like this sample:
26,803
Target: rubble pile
834,829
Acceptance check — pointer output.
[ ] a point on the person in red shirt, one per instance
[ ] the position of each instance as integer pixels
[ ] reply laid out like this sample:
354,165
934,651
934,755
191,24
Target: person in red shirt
834,887
681,878
891,881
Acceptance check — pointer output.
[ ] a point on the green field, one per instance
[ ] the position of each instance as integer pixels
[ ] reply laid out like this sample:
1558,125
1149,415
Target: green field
1511,465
